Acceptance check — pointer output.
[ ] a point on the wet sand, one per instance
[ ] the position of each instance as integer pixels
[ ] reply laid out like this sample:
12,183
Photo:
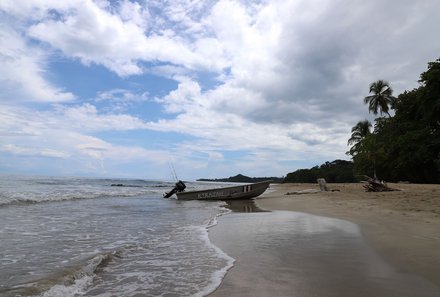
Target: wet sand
346,243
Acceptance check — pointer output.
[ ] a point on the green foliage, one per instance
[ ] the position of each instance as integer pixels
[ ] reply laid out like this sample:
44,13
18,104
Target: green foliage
338,171
358,134
381,99
303,176
407,145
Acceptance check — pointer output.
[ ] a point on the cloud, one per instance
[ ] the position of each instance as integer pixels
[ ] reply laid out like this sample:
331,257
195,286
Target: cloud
70,133
56,134
119,37
278,50
273,80
88,32
120,100
298,72
86,117
22,77
27,151
224,130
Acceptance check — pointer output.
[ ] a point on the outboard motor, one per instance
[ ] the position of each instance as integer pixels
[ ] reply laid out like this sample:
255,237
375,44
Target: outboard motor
179,187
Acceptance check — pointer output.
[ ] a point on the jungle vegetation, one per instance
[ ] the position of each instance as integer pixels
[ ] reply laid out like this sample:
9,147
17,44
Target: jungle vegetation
404,143
337,171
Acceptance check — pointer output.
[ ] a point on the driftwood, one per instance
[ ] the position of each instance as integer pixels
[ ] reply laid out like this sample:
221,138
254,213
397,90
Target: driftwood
307,191
375,185
322,188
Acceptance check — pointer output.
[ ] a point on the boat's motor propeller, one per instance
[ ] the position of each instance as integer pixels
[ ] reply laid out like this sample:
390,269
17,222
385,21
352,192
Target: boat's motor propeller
178,187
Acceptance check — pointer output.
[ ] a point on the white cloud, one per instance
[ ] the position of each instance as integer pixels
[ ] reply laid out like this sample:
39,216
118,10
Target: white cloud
119,39
87,118
32,151
90,33
32,9
135,13
22,75
226,129
121,99
56,134
276,50
122,95
288,77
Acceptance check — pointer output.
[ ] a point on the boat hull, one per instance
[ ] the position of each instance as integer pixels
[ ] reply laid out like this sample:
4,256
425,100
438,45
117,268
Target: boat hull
228,193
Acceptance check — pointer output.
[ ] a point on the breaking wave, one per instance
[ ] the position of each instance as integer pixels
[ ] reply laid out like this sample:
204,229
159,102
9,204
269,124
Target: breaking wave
7,198
77,280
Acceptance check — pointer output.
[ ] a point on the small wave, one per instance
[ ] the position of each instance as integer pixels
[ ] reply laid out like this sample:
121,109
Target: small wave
45,189
77,280
218,275
13,198
72,281
158,185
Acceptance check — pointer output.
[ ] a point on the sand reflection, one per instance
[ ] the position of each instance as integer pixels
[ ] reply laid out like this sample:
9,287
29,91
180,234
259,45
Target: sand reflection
284,253
247,205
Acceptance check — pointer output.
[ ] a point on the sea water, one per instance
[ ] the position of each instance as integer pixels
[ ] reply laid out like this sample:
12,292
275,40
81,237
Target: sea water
88,237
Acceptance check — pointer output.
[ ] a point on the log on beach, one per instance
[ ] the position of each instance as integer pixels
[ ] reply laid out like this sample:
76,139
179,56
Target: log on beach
375,185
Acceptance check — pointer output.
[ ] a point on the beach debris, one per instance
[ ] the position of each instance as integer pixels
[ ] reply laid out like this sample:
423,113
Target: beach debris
322,188
375,185
306,191
322,185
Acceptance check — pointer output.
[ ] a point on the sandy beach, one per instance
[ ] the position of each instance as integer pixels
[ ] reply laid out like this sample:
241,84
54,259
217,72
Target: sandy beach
394,241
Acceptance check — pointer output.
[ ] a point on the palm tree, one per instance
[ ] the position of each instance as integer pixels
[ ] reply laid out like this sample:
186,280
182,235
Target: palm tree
363,143
359,133
382,97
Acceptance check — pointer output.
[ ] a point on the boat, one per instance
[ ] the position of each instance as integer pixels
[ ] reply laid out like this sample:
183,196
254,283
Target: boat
247,191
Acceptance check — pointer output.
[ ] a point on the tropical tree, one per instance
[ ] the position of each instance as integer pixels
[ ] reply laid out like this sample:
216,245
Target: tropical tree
358,133
381,98
406,146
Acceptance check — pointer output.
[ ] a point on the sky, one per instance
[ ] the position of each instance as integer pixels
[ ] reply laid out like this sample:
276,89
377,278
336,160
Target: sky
208,89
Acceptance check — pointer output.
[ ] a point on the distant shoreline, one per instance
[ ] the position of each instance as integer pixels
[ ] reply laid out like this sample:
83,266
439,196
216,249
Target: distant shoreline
243,179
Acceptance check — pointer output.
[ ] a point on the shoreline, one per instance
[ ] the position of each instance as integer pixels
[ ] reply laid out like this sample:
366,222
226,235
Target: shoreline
402,227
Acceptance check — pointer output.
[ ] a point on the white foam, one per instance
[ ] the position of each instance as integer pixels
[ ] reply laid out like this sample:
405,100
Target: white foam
218,275
77,288
82,279
54,195
214,220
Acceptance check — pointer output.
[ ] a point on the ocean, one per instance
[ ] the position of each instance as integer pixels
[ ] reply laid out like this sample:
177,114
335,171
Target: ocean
65,236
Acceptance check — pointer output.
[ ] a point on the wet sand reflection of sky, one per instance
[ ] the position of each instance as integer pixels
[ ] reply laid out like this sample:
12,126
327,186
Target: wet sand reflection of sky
298,254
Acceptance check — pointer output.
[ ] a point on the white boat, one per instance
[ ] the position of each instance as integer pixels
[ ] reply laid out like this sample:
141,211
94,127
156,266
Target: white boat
247,191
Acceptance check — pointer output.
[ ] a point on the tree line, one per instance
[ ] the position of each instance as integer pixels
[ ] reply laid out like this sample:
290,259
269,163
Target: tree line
240,178
337,171
404,146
